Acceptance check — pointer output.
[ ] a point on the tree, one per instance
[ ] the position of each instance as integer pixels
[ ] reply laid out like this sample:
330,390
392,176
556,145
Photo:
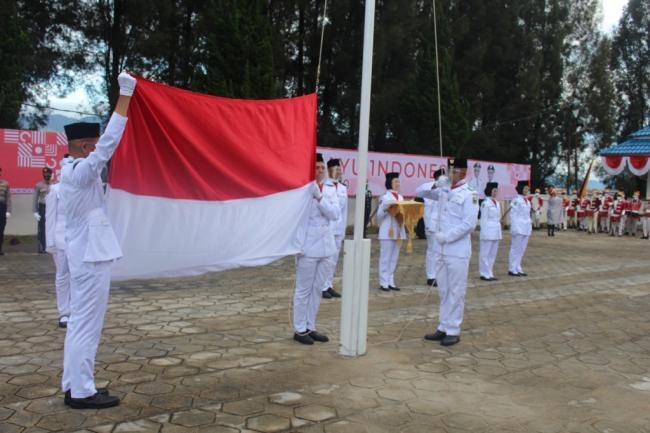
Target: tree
34,37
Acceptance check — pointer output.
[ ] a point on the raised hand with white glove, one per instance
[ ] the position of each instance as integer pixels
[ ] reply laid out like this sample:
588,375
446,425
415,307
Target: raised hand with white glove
8,214
127,83
37,216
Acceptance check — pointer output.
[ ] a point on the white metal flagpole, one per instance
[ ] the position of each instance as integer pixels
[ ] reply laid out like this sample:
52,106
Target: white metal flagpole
356,253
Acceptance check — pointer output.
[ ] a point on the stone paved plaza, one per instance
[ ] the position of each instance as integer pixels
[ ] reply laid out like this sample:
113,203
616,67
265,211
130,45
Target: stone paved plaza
566,349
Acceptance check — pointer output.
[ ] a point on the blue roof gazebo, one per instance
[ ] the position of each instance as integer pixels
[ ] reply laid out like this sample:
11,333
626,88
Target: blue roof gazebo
633,153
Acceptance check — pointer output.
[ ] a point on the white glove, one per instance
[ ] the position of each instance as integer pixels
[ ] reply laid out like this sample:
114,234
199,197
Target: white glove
8,214
441,238
443,182
37,216
315,192
127,83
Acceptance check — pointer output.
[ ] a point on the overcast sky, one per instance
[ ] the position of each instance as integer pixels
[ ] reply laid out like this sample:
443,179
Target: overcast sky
77,100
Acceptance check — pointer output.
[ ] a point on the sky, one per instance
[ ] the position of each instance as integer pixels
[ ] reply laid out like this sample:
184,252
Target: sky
76,100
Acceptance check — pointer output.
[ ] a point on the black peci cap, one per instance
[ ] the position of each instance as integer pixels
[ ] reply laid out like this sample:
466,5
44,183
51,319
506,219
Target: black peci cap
75,131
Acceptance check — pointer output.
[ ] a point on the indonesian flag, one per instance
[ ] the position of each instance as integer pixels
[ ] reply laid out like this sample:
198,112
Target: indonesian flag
202,183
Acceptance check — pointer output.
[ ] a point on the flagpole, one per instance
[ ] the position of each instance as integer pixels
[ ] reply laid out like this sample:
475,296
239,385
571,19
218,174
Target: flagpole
435,40
356,258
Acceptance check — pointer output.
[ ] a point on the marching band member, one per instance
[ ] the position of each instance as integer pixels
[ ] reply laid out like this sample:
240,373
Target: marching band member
520,229
573,212
564,218
645,218
391,233
633,214
536,202
582,213
592,213
554,212
490,232
617,215
603,212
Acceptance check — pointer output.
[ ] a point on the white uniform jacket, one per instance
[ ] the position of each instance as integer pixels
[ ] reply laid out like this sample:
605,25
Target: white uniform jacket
458,217
520,223
89,234
431,206
490,220
340,224
386,220
319,238
54,221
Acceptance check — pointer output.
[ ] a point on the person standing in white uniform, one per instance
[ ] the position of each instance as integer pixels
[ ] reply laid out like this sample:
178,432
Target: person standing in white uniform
91,247
391,233
312,263
458,216
490,232
520,228
338,226
55,245
431,216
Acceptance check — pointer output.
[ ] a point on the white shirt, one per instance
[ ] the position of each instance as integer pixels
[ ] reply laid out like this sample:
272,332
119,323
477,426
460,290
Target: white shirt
54,221
319,238
458,217
431,207
386,220
520,223
490,220
89,234
339,226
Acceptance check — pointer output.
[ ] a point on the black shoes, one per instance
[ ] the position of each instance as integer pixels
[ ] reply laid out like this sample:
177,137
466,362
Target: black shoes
492,278
436,336
100,400
309,337
397,289
385,289
450,340
63,321
333,293
432,282
326,294
517,274
317,336
523,274
485,278
303,338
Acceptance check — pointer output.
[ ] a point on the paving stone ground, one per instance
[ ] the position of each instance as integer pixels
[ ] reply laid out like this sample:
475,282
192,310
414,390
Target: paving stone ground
566,349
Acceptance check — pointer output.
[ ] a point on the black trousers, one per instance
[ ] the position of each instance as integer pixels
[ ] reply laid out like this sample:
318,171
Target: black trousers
551,229
3,222
41,228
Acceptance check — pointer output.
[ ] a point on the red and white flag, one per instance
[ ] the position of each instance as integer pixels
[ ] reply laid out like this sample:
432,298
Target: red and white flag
202,183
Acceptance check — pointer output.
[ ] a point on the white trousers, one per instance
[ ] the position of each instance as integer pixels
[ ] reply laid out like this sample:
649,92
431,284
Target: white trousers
451,275
517,250
310,275
332,262
429,257
388,256
593,223
62,282
89,288
604,224
645,225
486,257
536,219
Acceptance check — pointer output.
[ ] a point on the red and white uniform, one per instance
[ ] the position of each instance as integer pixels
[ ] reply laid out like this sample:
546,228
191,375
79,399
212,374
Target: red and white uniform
583,215
603,213
594,207
617,216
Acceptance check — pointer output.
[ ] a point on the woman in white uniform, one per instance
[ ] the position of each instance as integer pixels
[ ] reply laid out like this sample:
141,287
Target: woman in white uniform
520,229
490,232
391,234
